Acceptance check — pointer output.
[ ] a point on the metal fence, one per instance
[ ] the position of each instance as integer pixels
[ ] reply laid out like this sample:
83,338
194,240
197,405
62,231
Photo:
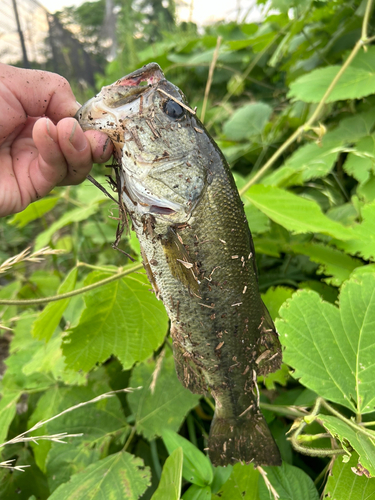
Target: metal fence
23,31
31,37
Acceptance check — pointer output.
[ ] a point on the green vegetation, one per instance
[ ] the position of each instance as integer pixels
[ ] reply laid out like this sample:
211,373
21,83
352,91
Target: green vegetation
292,106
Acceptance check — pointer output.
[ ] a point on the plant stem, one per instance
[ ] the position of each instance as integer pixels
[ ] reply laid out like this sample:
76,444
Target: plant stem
360,43
54,298
210,76
128,441
288,411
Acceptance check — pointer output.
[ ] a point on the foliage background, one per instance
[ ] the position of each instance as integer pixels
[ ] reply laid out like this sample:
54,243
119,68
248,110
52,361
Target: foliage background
303,160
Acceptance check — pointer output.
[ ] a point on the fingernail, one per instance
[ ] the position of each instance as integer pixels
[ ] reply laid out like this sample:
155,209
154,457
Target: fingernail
77,138
105,147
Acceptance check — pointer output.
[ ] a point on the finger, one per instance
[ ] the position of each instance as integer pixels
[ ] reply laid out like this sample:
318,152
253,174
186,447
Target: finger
50,167
76,149
101,146
39,92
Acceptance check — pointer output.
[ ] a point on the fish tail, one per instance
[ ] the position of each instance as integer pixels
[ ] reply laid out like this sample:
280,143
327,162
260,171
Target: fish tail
246,439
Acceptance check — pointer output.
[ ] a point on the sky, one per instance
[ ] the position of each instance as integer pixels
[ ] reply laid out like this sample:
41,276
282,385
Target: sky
204,11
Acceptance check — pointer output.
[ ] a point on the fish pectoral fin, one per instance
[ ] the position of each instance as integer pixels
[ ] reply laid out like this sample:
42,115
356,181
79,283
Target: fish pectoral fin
179,262
189,373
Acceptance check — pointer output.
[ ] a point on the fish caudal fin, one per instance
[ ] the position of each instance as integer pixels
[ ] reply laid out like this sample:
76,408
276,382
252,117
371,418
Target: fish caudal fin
246,439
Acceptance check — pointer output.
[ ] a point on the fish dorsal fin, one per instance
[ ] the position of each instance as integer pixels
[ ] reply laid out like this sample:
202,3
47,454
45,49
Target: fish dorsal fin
180,263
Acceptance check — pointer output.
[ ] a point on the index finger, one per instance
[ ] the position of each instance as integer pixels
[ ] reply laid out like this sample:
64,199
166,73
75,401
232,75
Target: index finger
40,92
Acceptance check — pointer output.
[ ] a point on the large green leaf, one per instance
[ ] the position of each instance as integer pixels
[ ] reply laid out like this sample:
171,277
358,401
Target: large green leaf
363,239
360,162
241,485
344,483
357,81
23,346
8,408
310,161
117,477
75,215
163,407
197,468
247,121
122,318
290,483
34,211
332,349
50,317
363,444
197,493
294,212
333,263
170,482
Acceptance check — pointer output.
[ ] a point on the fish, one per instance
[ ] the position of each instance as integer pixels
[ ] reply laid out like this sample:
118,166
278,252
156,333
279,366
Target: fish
198,252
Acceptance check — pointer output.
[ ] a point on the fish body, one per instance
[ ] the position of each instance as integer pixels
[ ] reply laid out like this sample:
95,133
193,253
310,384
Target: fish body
198,253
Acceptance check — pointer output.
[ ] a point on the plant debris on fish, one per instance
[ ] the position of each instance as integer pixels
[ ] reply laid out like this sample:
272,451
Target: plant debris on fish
198,253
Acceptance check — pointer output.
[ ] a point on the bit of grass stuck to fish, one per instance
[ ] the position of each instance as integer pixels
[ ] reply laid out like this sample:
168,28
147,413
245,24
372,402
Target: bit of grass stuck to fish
177,190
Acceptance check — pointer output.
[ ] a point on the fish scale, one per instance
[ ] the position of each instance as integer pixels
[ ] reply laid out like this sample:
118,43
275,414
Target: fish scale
198,254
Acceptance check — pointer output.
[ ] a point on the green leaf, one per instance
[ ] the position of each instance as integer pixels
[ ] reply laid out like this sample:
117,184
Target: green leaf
75,215
333,263
221,476
120,476
46,407
8,408
164,407
258,222
22,348
290,483
247,121
241,485
294,212
360,162
48,320
280,376
170,482
343,483
197,493
121,318
68,459
310,161
33,211
9,292
275,297
357,81
330,348
363,239
197,468
363,444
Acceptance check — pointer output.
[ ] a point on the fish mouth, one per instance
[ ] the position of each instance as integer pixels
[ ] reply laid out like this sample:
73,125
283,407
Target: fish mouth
101,112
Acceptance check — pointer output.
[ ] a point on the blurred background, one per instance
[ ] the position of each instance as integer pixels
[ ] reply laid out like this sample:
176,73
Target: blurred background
78,39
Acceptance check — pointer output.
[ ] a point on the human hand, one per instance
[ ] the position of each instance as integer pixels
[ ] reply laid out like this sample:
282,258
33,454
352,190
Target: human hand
41,145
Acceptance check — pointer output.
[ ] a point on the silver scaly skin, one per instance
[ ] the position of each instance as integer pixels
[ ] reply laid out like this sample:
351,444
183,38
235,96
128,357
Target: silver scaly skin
198,253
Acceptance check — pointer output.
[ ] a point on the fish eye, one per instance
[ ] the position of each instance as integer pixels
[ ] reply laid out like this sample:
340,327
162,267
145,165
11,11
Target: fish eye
173,109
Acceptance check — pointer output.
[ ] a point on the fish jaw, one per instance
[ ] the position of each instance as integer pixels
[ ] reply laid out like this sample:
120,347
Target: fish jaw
121,98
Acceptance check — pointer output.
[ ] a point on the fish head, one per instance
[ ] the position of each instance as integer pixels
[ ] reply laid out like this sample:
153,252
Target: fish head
157,141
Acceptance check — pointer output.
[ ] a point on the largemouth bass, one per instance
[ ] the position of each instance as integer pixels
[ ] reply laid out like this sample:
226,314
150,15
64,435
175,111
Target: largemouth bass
198,252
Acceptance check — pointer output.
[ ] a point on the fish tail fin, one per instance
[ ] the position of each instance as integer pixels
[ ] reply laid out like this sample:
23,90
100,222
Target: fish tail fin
246,438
